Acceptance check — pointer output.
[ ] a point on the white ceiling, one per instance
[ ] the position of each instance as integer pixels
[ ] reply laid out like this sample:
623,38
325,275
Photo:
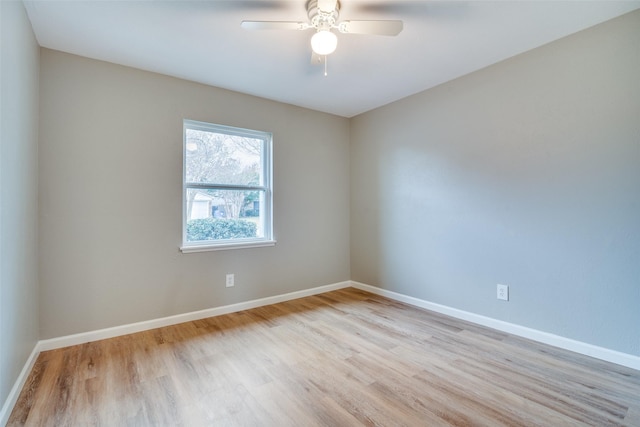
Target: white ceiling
202,41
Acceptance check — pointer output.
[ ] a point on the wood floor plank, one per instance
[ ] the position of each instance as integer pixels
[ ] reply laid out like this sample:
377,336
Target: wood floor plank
342,358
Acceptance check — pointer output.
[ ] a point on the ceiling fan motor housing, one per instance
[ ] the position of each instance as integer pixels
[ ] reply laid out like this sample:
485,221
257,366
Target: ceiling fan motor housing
320,19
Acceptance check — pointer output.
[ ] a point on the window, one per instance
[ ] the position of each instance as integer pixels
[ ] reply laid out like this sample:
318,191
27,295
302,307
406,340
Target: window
226,188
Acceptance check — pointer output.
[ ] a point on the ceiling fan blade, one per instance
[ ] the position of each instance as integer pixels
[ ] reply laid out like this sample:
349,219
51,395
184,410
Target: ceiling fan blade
250,5
327,5
316,59
274,25
381,28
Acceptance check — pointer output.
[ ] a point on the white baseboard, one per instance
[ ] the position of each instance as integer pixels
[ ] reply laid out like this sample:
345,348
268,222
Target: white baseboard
131,328
84,337
81,338
12,398
601,353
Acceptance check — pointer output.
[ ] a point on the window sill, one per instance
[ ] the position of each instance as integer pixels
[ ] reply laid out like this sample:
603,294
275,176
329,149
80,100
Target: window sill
226,246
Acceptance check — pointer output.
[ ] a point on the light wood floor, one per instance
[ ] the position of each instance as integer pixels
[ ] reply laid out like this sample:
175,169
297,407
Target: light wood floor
344,358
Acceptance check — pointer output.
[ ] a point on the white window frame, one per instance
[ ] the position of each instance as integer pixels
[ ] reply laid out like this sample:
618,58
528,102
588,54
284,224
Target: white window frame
266,187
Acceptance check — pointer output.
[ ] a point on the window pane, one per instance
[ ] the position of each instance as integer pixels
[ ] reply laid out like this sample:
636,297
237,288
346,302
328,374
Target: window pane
224,214
217,158
227,180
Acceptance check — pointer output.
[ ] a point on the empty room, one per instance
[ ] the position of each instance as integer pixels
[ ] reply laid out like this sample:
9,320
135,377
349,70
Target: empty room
319,213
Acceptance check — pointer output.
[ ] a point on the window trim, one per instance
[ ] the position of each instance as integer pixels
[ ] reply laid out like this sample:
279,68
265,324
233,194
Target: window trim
266,187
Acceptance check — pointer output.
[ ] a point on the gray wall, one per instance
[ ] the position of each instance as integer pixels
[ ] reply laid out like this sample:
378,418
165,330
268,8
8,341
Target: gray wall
526,173
18,193
110,198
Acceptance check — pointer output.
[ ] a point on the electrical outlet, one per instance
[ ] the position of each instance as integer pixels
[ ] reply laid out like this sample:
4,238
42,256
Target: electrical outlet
230,280
503,292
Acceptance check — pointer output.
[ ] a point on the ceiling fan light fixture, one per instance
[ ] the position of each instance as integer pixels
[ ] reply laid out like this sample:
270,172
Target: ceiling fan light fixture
324,42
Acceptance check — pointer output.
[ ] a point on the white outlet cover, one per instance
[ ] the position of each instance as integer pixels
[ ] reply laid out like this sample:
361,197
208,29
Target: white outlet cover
503,292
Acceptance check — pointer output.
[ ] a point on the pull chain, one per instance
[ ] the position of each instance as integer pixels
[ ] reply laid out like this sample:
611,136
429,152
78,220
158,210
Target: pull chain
325,66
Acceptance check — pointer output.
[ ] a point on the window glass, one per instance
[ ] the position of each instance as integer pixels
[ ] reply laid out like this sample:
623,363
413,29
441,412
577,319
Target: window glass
227,187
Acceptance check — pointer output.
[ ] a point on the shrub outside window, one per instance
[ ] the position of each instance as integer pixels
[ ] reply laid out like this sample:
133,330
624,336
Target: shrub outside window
226,187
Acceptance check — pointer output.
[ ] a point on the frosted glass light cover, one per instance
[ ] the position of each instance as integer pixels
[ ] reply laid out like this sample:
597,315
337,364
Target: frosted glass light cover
324,42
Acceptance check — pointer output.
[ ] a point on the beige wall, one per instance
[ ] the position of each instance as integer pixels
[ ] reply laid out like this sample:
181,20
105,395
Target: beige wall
111,142
525,173
18,194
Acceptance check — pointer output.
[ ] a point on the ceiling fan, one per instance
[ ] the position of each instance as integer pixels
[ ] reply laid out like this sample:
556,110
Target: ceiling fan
323,18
